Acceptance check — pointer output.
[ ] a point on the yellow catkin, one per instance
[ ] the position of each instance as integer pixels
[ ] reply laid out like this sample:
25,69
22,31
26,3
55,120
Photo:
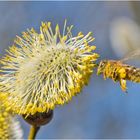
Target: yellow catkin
42,70
9,126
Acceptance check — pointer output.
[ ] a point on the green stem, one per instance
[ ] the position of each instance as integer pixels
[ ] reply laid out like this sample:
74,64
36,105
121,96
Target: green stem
33,131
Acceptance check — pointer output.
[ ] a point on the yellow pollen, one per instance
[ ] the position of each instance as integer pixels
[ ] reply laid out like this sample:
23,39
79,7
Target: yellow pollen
46,69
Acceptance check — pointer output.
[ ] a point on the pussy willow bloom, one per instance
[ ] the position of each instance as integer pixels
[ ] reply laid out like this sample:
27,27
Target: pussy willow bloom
9,126
42,70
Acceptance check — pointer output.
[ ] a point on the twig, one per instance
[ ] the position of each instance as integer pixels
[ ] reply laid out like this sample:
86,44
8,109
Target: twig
33,131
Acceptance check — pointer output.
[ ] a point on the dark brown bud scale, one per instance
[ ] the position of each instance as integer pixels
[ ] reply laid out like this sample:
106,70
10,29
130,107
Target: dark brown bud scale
39,119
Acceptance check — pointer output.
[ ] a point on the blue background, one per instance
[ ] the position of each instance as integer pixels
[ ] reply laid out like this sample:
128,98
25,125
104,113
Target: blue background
102,110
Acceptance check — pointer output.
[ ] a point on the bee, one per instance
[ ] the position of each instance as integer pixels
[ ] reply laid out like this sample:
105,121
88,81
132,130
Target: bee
119,72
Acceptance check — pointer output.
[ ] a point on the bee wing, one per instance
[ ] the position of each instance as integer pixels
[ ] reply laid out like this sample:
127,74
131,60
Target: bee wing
132,55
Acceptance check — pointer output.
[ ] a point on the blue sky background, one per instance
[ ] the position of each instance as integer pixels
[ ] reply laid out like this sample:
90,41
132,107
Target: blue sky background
102,110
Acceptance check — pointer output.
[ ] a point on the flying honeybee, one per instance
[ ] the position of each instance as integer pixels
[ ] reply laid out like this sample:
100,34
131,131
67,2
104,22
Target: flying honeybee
119,72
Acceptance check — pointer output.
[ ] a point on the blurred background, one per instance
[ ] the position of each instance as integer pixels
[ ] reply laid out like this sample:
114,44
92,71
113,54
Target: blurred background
102,110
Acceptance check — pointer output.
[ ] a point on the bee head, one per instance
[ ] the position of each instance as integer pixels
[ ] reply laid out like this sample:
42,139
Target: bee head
101,67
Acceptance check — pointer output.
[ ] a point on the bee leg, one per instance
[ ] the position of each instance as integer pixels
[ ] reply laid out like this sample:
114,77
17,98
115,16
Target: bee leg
114,75
104,75
122,73
123,85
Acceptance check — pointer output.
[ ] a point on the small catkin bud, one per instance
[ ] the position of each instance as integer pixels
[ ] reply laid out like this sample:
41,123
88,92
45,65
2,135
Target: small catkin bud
39,119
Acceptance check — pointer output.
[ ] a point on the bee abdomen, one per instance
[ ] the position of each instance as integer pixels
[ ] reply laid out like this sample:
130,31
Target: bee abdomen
133,74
